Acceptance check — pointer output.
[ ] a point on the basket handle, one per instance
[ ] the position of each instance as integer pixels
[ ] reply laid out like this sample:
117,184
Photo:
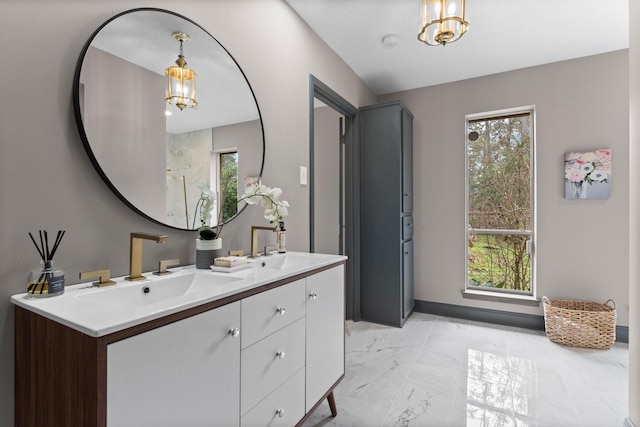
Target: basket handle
612,301
545,300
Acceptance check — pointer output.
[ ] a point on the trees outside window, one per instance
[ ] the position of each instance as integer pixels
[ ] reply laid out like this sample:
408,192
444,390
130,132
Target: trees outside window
229,184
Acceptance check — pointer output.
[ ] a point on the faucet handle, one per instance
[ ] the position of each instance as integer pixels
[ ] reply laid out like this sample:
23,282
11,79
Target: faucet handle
104,275
269,248
158,238
164,264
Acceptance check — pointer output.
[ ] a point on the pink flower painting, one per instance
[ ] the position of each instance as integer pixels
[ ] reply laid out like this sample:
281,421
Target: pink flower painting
587,175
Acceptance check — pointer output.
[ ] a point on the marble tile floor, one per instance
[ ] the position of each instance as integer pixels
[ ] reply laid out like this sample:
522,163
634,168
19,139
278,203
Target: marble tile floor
439,371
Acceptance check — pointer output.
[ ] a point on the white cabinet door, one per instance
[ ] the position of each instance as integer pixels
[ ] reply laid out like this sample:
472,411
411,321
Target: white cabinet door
325,332
186,373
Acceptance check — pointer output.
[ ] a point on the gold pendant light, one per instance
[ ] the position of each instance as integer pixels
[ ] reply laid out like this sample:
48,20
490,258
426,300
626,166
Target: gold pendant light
181,81
442,21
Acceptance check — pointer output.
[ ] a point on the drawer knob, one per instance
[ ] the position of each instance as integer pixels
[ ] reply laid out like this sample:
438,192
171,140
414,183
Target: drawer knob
280,354
234,332
280,412
313,295
280,311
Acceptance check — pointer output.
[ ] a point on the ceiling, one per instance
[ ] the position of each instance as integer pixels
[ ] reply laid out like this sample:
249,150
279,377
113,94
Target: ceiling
503,35
144,38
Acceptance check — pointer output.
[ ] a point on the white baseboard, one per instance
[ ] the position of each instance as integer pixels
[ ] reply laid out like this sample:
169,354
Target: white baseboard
627,422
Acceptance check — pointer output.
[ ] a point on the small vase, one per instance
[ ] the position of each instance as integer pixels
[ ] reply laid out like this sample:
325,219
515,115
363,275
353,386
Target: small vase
206,251
579,190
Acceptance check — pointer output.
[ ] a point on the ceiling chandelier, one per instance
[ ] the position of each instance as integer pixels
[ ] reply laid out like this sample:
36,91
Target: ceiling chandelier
442,21
181,81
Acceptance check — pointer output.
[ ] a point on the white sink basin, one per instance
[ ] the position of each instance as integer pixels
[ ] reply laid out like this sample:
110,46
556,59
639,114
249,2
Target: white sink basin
160,292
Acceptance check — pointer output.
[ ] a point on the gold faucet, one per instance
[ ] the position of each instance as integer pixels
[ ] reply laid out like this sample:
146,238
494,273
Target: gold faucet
104,275
254,237
164,264
135,253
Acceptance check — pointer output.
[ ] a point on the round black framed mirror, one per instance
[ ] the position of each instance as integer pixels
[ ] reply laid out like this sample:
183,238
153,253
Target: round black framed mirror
156,157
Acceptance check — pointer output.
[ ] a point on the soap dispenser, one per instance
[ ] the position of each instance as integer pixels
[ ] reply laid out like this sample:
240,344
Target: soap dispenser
282,238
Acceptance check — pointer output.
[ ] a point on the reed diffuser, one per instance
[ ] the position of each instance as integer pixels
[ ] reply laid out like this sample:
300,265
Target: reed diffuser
46,281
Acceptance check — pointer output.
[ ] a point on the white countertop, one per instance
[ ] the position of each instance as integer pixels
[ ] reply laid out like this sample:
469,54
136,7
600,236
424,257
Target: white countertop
101,311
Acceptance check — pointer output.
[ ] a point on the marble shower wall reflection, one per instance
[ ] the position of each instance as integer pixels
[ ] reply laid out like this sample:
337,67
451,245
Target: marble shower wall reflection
188,172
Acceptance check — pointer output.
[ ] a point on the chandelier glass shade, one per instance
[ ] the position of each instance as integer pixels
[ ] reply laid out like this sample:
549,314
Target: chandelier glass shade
181,81
442,21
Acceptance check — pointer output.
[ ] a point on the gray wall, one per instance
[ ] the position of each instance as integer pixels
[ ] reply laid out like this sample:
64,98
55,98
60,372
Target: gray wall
120,90
634,214
582,245
47,181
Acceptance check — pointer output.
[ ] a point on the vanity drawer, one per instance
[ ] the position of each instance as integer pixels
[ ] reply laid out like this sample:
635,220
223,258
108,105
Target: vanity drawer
270,362
407,227
266,312
282,408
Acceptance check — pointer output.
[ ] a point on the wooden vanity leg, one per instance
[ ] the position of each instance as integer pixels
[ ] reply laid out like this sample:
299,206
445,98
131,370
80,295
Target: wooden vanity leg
332,404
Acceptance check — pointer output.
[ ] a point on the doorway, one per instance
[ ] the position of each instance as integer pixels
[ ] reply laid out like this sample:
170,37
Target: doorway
328,172
334,204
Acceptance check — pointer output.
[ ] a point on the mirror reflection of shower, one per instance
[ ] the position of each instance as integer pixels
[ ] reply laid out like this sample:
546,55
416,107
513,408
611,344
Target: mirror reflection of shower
187,159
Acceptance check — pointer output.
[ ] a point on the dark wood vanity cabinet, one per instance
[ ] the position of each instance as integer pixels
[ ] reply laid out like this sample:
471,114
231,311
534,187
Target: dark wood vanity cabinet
386,213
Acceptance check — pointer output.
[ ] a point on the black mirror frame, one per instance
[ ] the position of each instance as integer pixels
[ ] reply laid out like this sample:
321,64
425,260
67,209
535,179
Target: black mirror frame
80,124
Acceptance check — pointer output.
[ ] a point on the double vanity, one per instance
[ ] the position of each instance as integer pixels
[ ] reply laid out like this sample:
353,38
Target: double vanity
258,346
261,345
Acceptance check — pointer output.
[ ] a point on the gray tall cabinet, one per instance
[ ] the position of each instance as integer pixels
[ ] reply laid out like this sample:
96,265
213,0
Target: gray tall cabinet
386,213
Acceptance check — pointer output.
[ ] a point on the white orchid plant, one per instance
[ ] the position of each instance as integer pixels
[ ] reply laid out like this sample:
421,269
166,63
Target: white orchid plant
256,193
204,207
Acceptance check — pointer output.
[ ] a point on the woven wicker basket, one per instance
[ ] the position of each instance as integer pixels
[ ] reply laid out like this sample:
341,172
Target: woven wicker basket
580,323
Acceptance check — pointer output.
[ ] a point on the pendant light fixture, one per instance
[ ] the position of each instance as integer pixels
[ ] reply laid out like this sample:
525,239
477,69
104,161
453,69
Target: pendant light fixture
181,81
442,21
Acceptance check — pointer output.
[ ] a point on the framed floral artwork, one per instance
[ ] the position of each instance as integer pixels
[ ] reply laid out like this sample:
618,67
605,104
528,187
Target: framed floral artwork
587,175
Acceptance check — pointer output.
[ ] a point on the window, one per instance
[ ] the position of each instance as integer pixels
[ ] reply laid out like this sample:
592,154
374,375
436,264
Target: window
500,202
228,183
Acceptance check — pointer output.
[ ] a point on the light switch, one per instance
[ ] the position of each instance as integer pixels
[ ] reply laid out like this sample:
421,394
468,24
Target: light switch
303,175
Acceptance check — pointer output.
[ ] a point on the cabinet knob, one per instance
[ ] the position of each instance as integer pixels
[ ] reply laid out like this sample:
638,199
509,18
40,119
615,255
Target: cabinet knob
280,354
280,412
313,295
234,332
280,311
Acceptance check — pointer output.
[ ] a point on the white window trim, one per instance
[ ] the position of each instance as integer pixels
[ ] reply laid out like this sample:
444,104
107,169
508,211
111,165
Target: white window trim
504,296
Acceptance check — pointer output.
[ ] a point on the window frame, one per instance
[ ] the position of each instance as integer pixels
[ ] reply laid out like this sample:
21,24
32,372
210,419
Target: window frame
504,295
216,175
